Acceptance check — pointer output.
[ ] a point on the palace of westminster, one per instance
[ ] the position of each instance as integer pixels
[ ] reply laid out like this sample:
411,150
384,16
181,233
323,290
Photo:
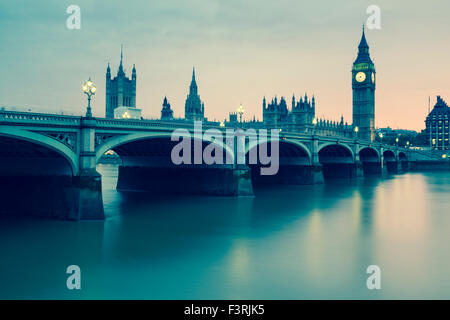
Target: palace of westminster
300,117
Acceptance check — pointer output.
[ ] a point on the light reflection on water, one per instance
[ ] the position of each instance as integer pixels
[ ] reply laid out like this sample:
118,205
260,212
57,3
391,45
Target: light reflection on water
287,242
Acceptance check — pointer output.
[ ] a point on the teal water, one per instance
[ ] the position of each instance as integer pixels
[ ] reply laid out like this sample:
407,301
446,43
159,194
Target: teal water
287,242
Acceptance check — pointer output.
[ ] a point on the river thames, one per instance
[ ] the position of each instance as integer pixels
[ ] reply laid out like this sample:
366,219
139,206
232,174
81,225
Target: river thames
287,242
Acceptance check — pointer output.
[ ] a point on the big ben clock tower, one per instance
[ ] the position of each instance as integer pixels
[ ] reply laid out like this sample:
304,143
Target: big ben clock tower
363,85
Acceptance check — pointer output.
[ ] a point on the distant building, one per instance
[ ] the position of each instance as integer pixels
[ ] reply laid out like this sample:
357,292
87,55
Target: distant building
194,108
399,137
233,118
166,111
301,117
363,85
277,115
121,93
437,126
334,128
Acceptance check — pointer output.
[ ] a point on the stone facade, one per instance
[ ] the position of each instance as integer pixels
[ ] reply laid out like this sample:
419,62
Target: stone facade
121,90
277,115
437,126
300,118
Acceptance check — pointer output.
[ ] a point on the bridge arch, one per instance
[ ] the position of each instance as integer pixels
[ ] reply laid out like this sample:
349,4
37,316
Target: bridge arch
298,146
38,175
371,160
339,149
389,156
403,159
390,162
338,161
369,154
147,165
293,165
402,156
43,141
129,138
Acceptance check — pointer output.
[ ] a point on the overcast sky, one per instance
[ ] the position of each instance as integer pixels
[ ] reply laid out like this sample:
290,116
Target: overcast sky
242,51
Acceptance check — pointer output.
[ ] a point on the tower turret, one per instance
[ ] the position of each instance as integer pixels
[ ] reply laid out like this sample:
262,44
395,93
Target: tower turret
193,87
194,108
120,90
121,72
166,111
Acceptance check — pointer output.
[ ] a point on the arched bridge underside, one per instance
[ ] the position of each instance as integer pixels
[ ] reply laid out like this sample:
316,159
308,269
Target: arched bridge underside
48,163
159,165
34,179
293,165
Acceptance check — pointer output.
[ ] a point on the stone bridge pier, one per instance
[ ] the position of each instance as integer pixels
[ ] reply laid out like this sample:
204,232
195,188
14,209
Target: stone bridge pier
88,183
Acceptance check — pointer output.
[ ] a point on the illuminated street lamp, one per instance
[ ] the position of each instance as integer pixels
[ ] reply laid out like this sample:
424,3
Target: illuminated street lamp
240,110
356,131
314,122
126,115
89,89
407,144
396,141
222,124
381,137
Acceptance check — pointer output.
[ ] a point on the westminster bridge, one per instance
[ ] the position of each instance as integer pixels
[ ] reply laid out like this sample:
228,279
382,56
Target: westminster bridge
48,162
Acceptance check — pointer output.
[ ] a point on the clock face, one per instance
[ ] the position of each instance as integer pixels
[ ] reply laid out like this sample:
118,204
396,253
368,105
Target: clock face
360,76
373,77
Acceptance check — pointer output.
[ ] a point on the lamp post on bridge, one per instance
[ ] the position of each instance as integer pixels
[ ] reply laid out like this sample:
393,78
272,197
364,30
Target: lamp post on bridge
356,132
89,89
381,137
314,122
240,110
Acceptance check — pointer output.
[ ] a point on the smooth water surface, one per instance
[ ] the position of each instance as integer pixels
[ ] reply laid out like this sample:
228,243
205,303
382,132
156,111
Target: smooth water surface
287,242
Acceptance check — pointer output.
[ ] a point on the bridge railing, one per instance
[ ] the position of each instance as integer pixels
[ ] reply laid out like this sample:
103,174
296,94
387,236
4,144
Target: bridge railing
106,123
33,118
42,118
144,123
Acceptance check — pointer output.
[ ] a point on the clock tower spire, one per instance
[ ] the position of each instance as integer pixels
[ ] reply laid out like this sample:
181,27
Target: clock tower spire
363,85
